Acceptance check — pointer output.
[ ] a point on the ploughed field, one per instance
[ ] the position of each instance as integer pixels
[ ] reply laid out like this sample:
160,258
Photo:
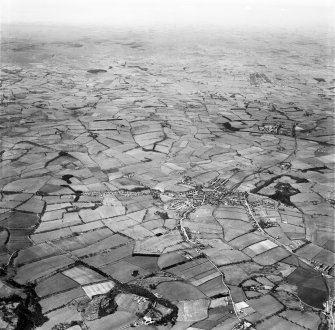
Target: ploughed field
166,180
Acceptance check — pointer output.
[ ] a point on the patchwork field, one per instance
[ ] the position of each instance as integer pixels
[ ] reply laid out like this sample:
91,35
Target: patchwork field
166,179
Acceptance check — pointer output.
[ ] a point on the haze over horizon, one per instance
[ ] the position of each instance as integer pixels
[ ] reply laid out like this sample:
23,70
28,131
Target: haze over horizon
241,13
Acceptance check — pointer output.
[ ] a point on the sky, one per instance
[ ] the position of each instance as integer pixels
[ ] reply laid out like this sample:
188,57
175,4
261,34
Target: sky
169,12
